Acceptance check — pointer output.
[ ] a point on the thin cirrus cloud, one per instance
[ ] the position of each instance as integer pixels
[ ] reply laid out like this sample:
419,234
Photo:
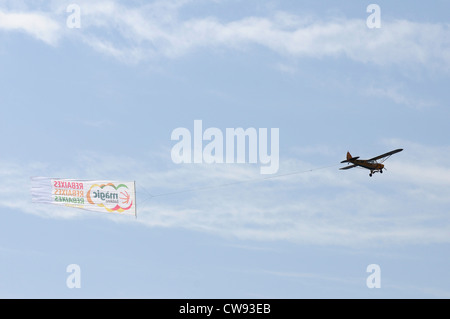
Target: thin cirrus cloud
396,95
396,42
155,30
319,207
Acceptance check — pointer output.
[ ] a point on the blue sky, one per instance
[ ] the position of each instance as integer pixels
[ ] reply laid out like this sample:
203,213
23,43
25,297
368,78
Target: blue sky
101,102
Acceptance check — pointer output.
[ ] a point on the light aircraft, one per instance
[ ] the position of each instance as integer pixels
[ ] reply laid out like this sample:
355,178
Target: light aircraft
374,164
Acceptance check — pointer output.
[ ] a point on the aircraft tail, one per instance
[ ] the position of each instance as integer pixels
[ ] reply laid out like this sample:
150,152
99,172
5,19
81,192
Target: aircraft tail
350,158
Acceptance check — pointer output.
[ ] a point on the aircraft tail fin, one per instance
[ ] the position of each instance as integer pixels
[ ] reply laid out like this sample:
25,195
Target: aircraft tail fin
349,156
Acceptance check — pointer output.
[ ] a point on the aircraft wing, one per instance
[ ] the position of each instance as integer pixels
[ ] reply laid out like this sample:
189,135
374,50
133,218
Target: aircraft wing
386,154
348,167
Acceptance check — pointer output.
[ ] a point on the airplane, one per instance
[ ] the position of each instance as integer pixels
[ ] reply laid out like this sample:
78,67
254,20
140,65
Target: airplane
371,164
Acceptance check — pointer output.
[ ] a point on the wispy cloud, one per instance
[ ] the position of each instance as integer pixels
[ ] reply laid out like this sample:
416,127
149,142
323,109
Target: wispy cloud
394,94
157,30
398,42
38,24
319,207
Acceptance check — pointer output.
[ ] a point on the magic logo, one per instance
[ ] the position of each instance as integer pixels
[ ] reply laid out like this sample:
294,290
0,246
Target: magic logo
112,198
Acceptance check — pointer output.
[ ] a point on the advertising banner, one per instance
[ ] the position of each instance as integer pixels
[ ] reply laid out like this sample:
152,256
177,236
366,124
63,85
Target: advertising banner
100,196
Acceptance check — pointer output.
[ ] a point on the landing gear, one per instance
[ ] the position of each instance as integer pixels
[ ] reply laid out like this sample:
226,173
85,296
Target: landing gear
376,171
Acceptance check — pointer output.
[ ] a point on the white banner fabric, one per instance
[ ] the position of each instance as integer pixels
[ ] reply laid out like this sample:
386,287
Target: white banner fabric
94,195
